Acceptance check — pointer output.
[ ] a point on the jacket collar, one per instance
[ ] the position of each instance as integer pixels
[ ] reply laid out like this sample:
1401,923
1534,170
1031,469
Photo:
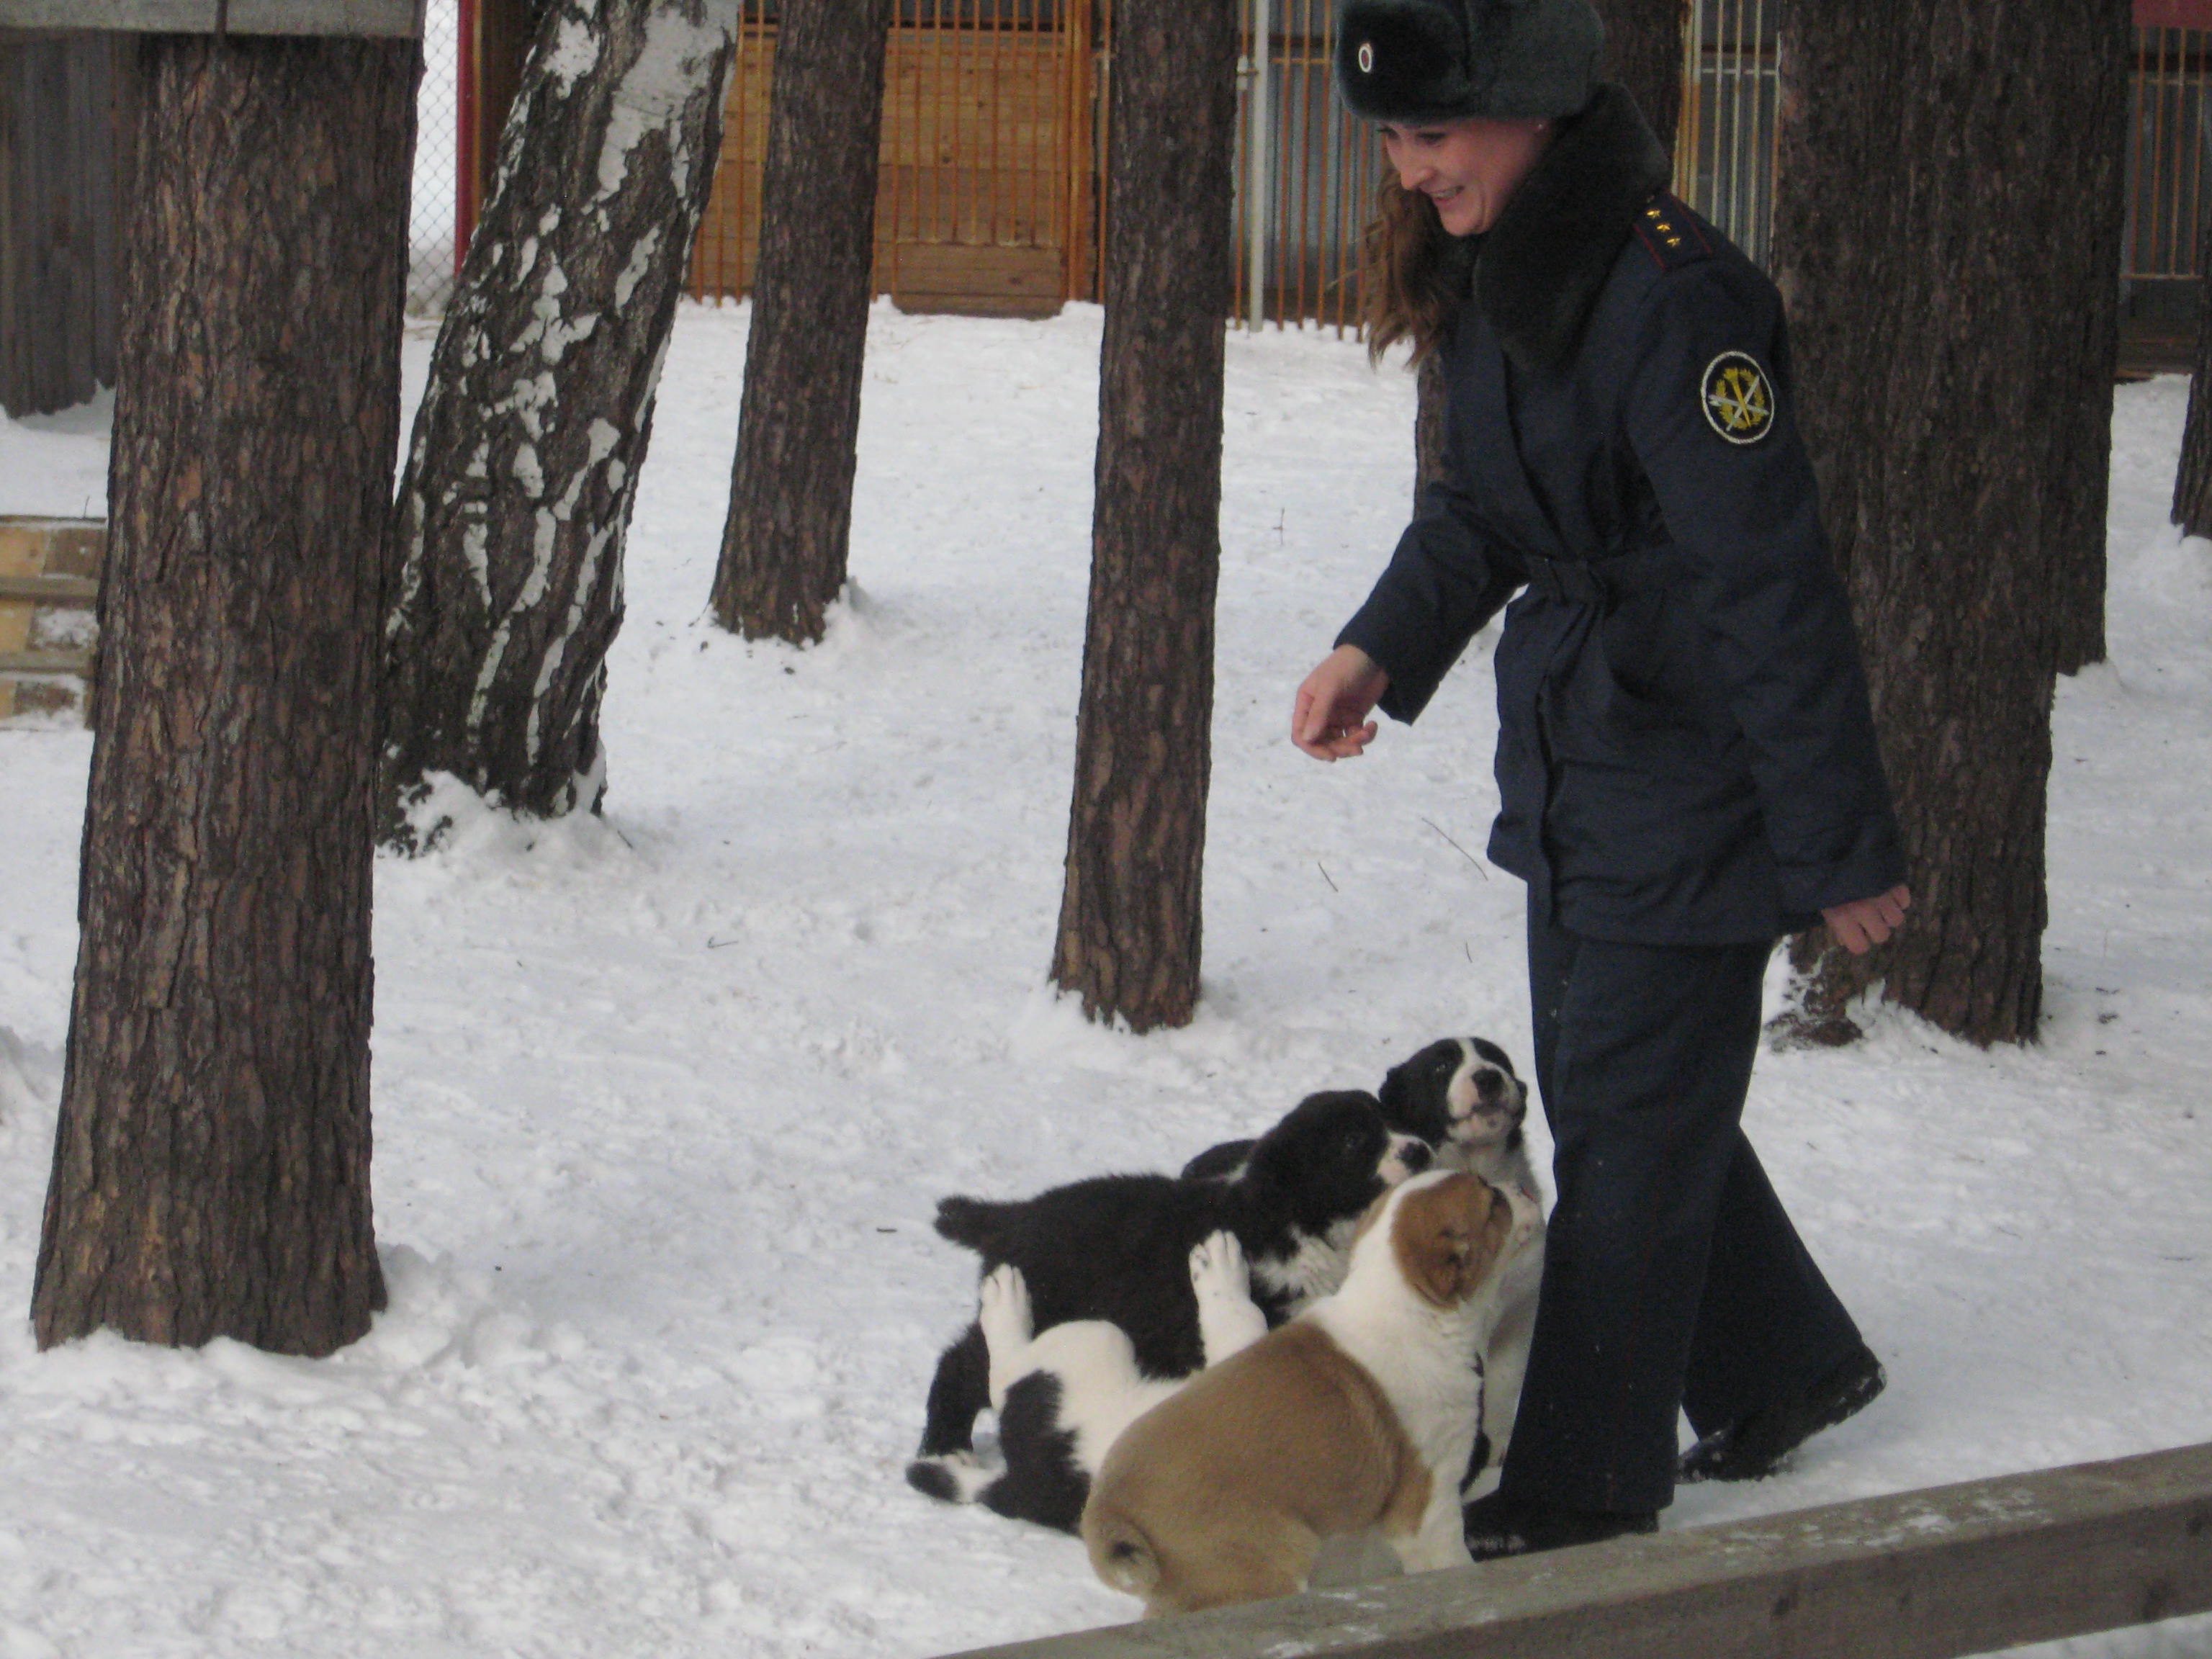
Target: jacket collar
1541,266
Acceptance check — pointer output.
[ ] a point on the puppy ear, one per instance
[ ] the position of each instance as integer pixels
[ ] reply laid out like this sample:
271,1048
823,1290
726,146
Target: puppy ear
1392,1095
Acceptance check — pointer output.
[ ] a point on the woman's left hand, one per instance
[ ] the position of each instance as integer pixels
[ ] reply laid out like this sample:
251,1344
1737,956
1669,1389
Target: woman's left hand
1863,924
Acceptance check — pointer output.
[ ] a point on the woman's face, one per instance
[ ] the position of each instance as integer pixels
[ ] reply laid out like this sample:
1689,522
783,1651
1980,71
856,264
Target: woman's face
1469,167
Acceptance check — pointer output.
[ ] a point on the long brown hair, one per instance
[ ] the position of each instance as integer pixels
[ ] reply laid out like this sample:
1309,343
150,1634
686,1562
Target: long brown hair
1412,274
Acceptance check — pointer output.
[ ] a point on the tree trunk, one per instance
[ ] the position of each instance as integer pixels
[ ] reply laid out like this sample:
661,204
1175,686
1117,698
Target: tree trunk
211,1168
2192,483
1643,52
1430,404
1947,233
1129,919
533,430
791,488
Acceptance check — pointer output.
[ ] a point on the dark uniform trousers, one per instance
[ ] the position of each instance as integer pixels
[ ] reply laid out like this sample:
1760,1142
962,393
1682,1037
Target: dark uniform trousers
1671,1274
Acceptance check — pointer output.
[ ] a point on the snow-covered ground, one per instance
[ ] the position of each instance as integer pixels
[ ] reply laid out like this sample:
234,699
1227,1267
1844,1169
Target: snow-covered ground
664,1100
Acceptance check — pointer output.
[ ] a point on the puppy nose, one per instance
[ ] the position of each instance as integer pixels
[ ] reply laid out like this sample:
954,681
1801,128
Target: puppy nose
1488,1086
1416,1156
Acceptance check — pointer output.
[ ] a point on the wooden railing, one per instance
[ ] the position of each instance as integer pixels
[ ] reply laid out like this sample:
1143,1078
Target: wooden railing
1947,1571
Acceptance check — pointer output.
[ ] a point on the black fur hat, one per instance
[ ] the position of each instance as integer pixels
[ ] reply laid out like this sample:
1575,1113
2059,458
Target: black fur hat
1415,61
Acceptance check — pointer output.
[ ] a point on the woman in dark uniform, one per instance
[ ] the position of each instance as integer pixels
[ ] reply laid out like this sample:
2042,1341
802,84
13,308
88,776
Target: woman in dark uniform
1687,766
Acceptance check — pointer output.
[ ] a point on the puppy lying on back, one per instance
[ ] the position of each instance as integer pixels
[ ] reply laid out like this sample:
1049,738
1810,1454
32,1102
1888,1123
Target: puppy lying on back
1359,1414
1065,1393
1461,1096
1117,1249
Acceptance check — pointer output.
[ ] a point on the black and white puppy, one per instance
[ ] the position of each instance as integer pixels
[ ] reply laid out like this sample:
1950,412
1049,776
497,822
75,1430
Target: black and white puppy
1117,1247
1462,1096
1064,1394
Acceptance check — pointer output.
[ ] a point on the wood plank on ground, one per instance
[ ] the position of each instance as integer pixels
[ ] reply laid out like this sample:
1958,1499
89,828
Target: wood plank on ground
1934,1574
400,18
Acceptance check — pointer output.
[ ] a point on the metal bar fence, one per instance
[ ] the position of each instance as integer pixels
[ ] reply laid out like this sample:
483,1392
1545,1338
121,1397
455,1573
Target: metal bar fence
2167,136
998,133
1306,173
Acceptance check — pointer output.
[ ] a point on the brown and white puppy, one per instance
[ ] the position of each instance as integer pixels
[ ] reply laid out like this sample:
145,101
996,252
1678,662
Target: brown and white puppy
1461,1096
1359,1414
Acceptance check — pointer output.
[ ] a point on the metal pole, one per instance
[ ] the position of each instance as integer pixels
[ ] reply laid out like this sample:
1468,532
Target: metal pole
1259,161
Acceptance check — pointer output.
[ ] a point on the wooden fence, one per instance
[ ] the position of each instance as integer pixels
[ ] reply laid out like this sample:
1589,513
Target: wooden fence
63,154
988,201
1948,1571
49,590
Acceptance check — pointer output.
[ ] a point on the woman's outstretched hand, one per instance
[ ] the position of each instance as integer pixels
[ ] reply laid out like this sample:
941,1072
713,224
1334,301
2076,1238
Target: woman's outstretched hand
1329,721
1863,924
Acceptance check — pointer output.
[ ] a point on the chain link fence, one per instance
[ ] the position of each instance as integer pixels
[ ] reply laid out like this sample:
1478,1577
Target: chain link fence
431,255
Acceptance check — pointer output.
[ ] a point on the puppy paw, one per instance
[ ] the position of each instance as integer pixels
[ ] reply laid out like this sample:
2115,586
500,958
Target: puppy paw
1002,1309
1218,1267
1228,1318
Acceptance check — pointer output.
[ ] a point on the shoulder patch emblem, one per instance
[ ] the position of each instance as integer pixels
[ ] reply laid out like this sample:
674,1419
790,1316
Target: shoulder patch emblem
1737,398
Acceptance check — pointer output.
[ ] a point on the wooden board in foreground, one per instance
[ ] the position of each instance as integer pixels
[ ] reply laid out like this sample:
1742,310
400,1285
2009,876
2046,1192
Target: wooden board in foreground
348,17
1934,1574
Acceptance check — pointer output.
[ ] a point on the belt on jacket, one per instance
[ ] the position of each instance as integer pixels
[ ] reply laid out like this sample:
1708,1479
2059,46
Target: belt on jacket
1601,581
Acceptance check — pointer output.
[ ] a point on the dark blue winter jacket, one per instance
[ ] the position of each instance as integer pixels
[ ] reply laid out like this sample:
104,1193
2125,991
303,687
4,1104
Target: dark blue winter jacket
1685,754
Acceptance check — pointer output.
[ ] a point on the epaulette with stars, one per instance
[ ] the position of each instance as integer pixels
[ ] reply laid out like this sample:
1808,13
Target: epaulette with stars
1670,233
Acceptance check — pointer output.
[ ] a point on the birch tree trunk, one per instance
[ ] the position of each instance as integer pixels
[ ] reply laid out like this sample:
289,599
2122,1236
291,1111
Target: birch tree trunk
527,446
211,1165
785,541
1129,919
1947,233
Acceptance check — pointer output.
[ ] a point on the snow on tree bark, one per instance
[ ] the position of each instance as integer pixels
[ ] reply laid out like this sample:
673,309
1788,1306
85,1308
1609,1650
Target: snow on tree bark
525,454
1947,233
1130,910
785,543
212,1164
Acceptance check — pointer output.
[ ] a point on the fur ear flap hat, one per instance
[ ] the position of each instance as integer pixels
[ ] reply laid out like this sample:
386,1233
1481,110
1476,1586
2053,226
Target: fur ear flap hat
1412,62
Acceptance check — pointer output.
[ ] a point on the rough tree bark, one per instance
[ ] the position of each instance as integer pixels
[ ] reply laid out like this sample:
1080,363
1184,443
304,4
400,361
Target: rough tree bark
2192,480
1946,233
1643,52
528,444
785,541
1129,919
211,1168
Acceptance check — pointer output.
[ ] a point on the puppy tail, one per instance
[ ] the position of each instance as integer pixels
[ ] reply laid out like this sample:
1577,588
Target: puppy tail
972,1222
1120,1554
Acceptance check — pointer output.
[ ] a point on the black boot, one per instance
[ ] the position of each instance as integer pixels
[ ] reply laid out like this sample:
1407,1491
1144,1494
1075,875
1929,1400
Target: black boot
1501,1525
1754,1446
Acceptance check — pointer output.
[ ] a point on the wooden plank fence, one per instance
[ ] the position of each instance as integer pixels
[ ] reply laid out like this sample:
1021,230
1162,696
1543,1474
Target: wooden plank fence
49,592
1934,1574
